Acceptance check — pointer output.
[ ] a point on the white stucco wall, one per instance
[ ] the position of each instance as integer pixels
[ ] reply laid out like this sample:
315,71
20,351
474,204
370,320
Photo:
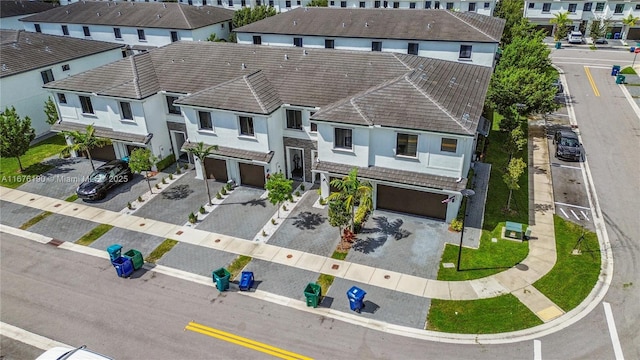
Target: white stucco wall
154,110
12,22
459,5
536,14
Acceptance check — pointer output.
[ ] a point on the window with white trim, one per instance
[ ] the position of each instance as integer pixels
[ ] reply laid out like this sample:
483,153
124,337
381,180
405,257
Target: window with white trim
125,111
448,145
173,109
204,121
572,8
343,139
85,103
407,145
65,30
246,126
62,99
141,35
47,76
85,30
117,33
294,119
465,52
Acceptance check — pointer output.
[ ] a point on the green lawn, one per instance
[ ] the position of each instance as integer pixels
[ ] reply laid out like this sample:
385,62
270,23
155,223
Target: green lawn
10,175
574,276
36,219
486,316
235,268
94,234
490,258
162,249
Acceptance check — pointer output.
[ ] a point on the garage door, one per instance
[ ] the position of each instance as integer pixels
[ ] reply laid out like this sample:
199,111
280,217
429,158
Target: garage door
547,28
216,169
252,175
411,201
634,34
103,153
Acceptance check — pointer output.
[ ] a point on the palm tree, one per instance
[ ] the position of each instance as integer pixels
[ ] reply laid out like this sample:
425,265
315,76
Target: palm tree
628,22
560,23
352,191
202,151
83,142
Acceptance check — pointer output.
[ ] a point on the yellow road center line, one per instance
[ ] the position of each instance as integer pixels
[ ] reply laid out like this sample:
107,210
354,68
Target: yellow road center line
593,83
248,343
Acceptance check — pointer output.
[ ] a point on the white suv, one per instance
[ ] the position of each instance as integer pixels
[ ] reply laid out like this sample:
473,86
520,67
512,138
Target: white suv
575,37
65,353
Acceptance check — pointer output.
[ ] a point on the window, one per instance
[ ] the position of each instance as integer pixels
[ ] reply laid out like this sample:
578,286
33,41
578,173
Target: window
436,5
297,42
141,35
376,4
487,5
332,3
412,49
376,46
117,33
231,3
600,6
449,6
343,4
587,6
190,2
246,126
427,4
362,4
62,99
125,111
271,3
448,145
314,127
219,2
472,6
174,36
258,3
298,2
342,139
532,5
546,7
85,102
412,5
407,145
257,40
287,4
173,109
572,8
638,7
66,67
204,2
204,120
329,43
396,4
47,76
465,52
385,4
619,9
243,3
38,29
294,119
65,30
86,31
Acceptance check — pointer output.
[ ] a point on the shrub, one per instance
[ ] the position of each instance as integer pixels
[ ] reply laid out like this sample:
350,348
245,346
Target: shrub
628,71
164,163
361,215
456,225
218,196
140,199
273,221
302,187
264,233
178,172
170,176
185,166
129,206
290,197
158,186
298,193
284,207
322,201
227,187
223,191
164,181
193,218
201,210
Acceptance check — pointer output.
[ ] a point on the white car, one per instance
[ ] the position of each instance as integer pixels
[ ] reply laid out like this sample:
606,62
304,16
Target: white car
575,37
66,353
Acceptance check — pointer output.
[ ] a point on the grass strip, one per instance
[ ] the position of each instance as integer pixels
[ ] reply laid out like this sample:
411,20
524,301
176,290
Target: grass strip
72,198
339,255
485,316
573,276
325,282
34,220
235,268
10,174
162,249
94,234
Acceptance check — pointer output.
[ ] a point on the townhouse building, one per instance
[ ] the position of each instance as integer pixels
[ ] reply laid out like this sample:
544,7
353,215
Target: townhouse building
11,11
279,5
408,123
583,13
140,26
480,7
31,60
440,34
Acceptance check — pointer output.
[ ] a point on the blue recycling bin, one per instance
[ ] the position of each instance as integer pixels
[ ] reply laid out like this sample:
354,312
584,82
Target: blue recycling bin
356,298
123,265
246,280
114,251
615,70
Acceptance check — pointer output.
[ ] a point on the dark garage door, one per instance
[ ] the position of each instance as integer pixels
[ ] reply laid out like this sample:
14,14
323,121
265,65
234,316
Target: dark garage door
634,34
103,153
252,175
216,169
412,202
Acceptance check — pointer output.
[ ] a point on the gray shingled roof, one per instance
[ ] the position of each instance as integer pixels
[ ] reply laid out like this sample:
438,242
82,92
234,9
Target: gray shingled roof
235,153
101,132
409,24
11,8
135,14
24,51
394,175
321,78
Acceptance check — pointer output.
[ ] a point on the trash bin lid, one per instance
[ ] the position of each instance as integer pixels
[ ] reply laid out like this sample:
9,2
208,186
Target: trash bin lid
113,248
356,293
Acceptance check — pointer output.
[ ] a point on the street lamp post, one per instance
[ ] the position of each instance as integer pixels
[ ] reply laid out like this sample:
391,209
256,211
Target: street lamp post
465,193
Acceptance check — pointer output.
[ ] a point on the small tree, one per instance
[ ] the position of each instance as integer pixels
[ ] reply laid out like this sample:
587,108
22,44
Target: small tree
318,3
83,142
16,134
516,141
214,38
338,213
512,176
560,23
141,159
202,151
279,189
248,15
51,111
354,192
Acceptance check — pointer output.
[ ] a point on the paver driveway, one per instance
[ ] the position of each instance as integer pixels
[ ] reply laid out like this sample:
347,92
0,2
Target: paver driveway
61,181
15,215
280,279
129,239
63,227
196,259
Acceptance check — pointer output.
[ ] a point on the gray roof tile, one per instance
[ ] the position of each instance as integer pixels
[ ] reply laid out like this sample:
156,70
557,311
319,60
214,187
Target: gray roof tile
163,15
406,24
101,132
235,153
11,8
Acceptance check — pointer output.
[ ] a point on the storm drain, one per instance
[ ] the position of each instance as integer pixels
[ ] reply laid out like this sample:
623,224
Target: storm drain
55,242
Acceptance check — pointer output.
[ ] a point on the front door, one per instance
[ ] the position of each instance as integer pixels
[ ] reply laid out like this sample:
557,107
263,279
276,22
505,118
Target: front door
295,164
178,138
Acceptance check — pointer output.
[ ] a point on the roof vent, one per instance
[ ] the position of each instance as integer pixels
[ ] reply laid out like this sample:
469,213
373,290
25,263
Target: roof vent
304,52
158,16
98,14
423,76
67,11
164,5
108,3
342,24
47,49
208,12
228,63
305,9
286,57
244,66
4,67
119,13
294,23
366,24
429,26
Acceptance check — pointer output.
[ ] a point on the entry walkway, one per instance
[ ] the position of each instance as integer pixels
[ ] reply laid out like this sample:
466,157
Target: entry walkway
517,280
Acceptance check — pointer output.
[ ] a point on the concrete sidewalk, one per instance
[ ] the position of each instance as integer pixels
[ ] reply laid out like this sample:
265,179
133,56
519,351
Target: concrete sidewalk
517,280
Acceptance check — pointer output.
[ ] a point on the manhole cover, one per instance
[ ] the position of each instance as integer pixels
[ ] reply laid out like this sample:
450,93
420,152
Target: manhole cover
289,256
335,267
141,224
522,267
179,232
217,240
56,205
387,277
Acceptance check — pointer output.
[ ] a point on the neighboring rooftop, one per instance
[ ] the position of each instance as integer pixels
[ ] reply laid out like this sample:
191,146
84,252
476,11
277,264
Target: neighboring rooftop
24,51
409,24
165,15
11,8
379,88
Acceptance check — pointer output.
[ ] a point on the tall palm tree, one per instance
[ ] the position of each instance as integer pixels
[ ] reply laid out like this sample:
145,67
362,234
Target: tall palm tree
352,191
202,151
628,22
560,23
83,142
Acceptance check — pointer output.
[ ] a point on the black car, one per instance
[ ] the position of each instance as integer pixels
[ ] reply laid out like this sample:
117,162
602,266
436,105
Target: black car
105,177
567,145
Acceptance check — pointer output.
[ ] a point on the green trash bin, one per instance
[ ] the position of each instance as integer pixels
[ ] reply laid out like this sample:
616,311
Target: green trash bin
558,45
620,79
312,293
136,258
221,278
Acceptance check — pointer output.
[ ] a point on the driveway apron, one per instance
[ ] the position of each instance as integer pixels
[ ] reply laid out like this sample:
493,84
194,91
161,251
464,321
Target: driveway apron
62,227
281,279
142,242
15,215
196,259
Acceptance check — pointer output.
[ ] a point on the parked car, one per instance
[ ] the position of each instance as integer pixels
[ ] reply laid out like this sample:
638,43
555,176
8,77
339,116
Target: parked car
575,37
567,145
65,353
111,174
558,85
601,41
